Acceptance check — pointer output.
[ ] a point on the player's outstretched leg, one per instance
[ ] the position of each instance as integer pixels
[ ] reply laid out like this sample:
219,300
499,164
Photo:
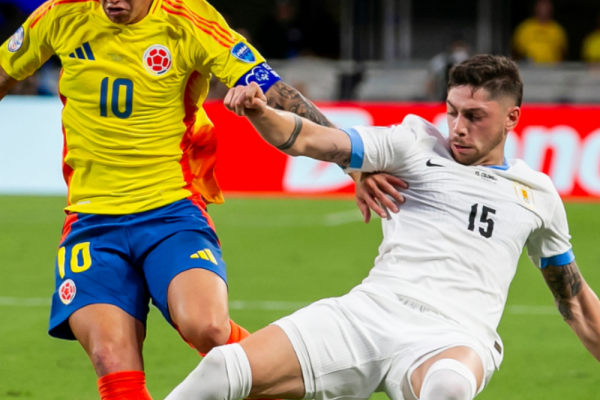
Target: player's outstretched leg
113,340
263,365
454,374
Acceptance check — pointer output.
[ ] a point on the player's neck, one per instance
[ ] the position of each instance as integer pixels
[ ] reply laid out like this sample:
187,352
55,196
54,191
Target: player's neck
492,159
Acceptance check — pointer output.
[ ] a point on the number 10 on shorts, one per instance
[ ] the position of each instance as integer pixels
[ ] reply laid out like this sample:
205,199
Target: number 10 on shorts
81,259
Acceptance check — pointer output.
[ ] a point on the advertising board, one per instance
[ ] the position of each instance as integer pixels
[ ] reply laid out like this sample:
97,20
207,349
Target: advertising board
561,141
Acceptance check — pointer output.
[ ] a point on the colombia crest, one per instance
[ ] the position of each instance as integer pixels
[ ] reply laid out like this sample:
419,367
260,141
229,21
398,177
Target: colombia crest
157,60
16,40
67,291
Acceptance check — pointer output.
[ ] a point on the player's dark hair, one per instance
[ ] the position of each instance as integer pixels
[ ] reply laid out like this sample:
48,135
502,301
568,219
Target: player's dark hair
497,74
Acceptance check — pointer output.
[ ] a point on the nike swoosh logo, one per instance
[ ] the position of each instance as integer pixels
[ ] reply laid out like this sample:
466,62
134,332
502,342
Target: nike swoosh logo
430,164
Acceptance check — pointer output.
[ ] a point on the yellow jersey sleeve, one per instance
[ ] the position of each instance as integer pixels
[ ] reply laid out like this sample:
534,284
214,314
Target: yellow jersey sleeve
29,48
221,51
519,40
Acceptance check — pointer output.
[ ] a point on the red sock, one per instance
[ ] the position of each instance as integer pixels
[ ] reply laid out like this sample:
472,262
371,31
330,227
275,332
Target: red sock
237,335
126,385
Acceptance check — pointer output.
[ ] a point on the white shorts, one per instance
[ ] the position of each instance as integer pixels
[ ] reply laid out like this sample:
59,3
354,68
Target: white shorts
352,346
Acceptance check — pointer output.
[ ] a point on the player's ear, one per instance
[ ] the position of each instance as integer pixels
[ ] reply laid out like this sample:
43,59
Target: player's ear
512,118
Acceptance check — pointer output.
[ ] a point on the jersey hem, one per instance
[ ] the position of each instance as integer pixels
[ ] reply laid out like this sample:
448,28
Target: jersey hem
103,209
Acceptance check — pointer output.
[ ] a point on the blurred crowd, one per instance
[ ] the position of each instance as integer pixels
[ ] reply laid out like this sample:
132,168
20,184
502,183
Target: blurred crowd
292,29
541,39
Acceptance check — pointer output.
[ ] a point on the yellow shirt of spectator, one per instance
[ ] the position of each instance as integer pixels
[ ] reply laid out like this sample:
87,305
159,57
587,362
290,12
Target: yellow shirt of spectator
591,47
542,43
136,136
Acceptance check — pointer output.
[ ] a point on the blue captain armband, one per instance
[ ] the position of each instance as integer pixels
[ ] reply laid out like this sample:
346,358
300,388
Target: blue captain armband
262,74
358,148
559,260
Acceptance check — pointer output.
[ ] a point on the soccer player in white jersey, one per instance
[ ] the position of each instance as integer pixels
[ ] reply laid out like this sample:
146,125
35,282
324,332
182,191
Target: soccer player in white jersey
423,324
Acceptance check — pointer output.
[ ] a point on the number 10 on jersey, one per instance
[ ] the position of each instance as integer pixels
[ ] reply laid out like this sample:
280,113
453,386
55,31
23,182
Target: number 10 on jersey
118,86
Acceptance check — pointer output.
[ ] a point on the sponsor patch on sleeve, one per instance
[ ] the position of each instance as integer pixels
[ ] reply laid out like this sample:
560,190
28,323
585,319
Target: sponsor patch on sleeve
262,74
16,40
242,52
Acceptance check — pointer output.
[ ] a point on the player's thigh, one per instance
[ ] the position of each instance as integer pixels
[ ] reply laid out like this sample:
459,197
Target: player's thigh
92,268
198,296
466,355
186,278
112,338
276,370
338,345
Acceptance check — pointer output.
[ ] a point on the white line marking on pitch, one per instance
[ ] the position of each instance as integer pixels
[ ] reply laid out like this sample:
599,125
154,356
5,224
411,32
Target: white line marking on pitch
342,218
268,305
25,301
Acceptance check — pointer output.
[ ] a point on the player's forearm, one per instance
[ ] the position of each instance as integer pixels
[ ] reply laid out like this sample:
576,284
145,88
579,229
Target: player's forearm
6,83
576,302
583,316
299,137
282,96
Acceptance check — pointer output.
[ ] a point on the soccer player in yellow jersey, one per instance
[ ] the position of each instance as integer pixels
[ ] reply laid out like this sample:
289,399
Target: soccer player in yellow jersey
591,45
540,39
139,162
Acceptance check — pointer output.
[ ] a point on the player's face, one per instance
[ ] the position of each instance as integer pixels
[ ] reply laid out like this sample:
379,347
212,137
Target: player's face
126,11
478,125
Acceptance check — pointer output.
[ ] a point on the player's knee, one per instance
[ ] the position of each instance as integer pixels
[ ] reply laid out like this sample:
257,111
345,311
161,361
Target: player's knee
204,335
448,379
109,357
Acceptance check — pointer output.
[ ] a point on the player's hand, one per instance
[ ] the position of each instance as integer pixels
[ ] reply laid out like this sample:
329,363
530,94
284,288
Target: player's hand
372,191
246,100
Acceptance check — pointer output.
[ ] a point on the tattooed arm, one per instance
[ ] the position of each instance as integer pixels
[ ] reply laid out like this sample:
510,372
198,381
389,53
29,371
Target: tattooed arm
281,96
376,191
577,303
288,132
6,83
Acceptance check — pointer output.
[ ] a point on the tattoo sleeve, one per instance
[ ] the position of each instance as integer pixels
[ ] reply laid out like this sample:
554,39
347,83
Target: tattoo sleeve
565,283
284,97
341,158
297,129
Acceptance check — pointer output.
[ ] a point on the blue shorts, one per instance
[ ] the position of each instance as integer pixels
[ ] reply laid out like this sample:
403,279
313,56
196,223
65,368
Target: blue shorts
126,260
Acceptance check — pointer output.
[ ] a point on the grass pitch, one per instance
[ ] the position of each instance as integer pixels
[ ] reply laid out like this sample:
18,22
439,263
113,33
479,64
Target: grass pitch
281,254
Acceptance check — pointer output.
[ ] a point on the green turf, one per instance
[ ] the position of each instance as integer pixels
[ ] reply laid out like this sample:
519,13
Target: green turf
276,250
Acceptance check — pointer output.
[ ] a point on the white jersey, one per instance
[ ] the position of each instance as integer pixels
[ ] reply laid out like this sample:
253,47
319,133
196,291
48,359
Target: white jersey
455,244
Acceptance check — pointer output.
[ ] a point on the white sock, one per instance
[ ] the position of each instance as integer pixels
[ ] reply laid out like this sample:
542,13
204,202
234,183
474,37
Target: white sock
449,379
224,374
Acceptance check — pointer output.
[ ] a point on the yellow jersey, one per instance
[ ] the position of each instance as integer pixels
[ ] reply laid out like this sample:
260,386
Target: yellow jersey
591,47
135,134
542,43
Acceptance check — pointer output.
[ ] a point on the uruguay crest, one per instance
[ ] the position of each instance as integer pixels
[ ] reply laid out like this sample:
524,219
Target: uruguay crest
524,194
67,291
157,60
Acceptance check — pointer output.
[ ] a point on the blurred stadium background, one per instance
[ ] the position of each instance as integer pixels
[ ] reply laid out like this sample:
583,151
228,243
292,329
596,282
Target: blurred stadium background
290,231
